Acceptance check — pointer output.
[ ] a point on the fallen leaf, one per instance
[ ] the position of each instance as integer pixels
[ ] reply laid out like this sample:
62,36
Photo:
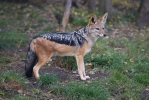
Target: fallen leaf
74,72
131,60
50,91
20,91
88,64
1,93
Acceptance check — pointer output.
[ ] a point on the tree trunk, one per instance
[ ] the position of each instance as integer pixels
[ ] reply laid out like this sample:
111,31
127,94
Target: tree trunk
66,15
143,19
106,6
91,5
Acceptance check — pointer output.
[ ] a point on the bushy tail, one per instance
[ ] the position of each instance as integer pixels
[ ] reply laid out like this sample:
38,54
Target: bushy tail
31,60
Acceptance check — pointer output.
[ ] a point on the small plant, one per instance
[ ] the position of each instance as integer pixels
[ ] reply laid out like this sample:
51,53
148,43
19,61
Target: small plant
48,79
21,97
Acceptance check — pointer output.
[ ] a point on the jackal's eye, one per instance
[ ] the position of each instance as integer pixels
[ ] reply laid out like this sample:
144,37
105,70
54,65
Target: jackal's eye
97,29
103,28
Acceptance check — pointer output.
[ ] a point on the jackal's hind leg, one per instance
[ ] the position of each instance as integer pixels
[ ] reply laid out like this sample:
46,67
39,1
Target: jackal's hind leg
41,61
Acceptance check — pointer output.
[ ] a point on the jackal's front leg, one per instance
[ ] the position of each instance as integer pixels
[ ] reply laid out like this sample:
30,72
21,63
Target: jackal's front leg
81,67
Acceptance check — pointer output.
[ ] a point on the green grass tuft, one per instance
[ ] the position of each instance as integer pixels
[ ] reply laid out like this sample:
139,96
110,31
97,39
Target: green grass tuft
21,97
142,78
48,79
10,76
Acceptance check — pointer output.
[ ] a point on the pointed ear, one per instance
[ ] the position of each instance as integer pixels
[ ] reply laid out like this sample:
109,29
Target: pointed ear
104,17
92,20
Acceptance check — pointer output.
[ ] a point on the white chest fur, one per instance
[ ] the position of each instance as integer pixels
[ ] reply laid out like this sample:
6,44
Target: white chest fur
87,51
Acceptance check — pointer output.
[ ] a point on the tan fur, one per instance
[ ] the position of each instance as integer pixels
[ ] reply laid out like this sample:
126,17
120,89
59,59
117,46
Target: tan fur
45,49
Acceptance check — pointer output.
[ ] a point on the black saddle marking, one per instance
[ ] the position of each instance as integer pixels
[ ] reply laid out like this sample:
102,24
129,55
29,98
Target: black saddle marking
75,38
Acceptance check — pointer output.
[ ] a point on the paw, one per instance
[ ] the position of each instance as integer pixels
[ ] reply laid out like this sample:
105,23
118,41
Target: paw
83,78
37,77
87,77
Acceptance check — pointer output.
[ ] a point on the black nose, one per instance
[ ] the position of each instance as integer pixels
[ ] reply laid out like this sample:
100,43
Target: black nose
104,35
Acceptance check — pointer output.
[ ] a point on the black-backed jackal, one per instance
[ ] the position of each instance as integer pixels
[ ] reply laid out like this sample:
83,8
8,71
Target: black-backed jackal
76,43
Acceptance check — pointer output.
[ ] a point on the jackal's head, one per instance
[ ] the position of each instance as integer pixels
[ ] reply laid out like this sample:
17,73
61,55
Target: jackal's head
97,25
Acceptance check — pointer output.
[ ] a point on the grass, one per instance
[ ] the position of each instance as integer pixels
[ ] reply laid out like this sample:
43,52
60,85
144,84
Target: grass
11,39
128,66
11,76
142,78
82,90
21,97
11,82
48,79
122,86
